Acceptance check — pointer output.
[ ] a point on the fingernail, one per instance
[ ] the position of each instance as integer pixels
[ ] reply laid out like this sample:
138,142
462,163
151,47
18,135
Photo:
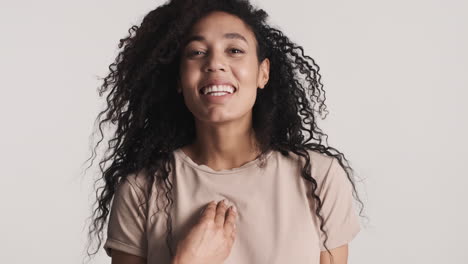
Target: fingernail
234,208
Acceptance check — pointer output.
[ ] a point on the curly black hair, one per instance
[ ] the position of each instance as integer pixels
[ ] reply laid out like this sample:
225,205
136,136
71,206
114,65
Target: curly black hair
152,120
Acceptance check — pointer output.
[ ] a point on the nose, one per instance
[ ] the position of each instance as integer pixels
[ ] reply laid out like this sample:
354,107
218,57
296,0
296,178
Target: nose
214,62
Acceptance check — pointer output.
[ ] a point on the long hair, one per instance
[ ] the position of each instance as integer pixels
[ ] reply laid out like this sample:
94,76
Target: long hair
151,118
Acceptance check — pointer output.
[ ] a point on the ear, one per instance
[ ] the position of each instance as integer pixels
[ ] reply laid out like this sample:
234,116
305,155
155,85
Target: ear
264,73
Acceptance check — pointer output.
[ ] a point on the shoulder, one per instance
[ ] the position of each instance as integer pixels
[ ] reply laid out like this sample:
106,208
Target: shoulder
138,178
319,162
319,159
322,167
134,184
322,164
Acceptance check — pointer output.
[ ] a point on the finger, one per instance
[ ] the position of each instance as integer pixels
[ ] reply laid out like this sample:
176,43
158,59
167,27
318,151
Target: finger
209,211
233,234
202,211
230,222
220,213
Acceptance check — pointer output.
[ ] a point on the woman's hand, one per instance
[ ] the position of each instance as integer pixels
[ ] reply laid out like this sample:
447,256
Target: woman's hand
211,239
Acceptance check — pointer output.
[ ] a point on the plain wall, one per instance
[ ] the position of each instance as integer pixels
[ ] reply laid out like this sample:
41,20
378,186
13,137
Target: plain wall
395,75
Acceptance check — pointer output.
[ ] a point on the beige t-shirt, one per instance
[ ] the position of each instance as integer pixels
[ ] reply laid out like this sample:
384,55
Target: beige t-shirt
276,221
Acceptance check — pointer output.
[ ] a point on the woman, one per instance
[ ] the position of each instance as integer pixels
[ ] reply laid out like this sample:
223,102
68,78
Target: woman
212,104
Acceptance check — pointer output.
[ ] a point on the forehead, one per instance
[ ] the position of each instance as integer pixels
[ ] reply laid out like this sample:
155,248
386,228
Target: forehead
220,24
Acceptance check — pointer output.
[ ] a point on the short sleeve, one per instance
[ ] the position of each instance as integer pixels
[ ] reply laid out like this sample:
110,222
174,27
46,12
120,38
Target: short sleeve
341,222
127,220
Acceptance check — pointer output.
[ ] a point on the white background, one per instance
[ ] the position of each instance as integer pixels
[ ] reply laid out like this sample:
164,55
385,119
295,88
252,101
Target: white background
395,75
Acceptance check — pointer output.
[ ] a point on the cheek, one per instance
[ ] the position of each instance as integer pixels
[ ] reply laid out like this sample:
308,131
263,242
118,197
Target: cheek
188,75
246,74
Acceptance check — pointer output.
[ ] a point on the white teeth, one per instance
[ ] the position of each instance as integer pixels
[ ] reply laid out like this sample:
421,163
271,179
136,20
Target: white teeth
218,88
218,93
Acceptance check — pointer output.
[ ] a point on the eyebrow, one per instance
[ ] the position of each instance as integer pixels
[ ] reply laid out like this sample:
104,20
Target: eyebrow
232,35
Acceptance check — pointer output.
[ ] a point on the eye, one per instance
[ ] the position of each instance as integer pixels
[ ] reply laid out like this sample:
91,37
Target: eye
194,53
238,50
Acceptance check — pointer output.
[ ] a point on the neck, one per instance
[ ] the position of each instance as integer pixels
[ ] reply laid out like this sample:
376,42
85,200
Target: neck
223,147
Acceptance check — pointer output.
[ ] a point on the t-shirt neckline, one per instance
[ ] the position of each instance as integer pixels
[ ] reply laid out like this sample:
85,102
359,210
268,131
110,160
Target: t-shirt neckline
179,152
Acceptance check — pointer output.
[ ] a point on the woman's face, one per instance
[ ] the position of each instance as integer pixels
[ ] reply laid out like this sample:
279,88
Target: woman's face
221,50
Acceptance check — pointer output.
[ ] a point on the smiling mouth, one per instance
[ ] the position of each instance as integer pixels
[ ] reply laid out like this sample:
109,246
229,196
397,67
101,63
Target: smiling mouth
219,92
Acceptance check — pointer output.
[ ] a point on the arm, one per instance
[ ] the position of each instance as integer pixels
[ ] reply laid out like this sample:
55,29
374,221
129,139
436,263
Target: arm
126,234
340,255
119,257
